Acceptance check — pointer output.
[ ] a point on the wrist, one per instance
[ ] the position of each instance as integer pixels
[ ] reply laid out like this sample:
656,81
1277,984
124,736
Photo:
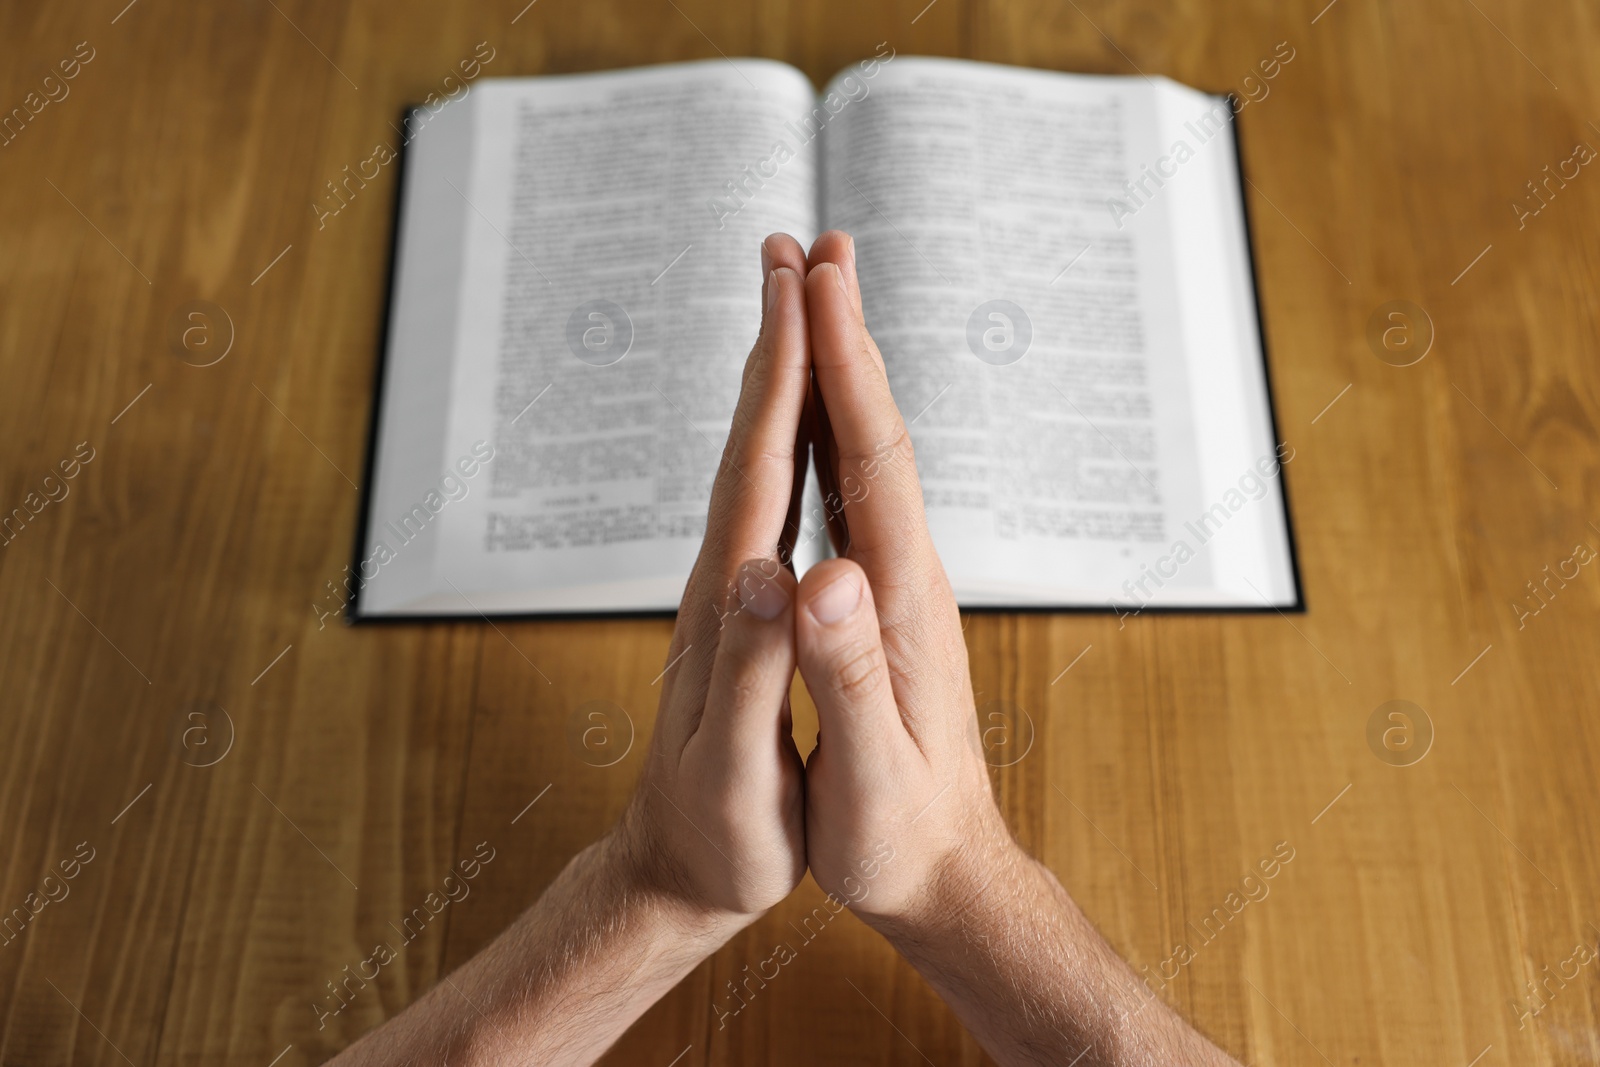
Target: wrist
646,884
985,870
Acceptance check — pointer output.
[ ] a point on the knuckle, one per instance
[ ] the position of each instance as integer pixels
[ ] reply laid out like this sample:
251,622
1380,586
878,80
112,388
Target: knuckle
900,448
745,453
859,672
750,670
747,687
895,453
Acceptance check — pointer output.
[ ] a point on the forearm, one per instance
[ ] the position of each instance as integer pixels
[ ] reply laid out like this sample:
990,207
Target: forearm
561,983
1006,947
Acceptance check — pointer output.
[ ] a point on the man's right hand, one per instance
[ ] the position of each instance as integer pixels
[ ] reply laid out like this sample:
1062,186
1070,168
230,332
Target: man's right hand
901,821
899,810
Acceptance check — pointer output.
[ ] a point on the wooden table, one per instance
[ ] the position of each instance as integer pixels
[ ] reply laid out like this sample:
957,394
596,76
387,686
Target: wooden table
170,602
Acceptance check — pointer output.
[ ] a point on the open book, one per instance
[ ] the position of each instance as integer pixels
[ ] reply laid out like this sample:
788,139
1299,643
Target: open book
1056,268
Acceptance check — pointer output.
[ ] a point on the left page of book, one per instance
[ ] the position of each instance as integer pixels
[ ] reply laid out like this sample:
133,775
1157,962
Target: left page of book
577,289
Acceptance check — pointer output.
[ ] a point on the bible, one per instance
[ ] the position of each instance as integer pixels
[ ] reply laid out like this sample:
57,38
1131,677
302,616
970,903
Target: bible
1056,267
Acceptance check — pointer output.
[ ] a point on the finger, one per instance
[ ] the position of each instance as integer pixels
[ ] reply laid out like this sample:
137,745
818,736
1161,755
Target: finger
882,500
744,746
750,499
841,657
786,252
746,700
877,472
839,248
780,250
833,246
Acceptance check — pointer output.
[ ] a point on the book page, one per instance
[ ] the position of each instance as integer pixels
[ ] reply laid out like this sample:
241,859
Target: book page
1032,340
1242,528
608,297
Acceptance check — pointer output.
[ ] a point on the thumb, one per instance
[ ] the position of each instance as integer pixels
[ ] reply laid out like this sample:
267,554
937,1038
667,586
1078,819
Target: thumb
754,662
840,652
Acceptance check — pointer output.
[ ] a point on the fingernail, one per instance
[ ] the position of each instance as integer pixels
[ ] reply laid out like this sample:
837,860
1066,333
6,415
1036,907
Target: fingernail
766,259
772,289
850,253
838,276
836,602
763,597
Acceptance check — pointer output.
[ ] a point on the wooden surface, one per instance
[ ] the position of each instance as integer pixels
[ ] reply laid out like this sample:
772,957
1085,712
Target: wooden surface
184,570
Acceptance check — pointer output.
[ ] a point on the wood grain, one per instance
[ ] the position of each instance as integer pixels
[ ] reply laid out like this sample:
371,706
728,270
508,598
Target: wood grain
1176,753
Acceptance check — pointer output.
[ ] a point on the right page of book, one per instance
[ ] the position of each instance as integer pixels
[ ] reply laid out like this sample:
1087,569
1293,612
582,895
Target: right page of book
1056,269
